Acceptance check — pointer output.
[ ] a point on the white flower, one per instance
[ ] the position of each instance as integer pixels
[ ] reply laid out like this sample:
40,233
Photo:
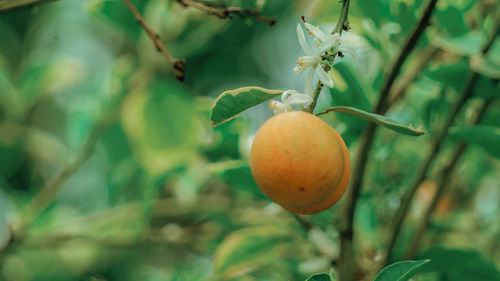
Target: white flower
347,46
321,40
312,60
289,98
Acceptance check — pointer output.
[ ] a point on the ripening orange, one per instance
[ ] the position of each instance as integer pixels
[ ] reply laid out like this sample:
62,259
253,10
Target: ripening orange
300,162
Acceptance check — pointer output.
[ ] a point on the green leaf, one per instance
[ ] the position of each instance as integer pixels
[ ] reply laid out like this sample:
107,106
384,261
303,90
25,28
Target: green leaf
459,265
465,45
451,19
451,75
374,10
332,274
485,66
160,123
5,208
320,277
435,109
486,88
355,93
405,16
231,103
378,119
246,249
487,137
117,15
399,271
240,178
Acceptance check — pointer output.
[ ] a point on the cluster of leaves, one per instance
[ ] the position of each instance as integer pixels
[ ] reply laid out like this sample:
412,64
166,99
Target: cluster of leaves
231,103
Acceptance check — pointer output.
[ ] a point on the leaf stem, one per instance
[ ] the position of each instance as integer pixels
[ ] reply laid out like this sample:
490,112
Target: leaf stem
347,264
435,148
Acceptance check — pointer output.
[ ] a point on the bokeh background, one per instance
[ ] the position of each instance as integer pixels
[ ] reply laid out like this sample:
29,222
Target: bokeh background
164,196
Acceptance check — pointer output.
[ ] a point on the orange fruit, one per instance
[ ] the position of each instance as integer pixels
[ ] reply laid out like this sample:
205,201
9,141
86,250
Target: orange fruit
300,162
339,191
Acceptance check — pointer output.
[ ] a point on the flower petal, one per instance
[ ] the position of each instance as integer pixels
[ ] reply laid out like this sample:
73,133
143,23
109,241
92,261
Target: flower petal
302,41
316,42
291,92
324,77
325,46
284,96
317,32
277,107
296,99
336,37
332,41
348,51
298,70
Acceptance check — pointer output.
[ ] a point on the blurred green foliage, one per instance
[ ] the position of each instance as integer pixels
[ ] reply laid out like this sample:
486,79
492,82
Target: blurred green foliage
164,196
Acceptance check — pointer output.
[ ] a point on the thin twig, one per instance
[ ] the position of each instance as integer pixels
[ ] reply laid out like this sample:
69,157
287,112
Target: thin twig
405,51
343,21
317,90
177,64
441,188
110,241
435,147
367,139
306,225
224,12
53,186
342,25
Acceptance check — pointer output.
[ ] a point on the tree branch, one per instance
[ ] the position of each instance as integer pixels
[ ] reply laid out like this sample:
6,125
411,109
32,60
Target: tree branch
401,85
224,12
435,147
347,260
441,188
53,186
342,24
178,65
